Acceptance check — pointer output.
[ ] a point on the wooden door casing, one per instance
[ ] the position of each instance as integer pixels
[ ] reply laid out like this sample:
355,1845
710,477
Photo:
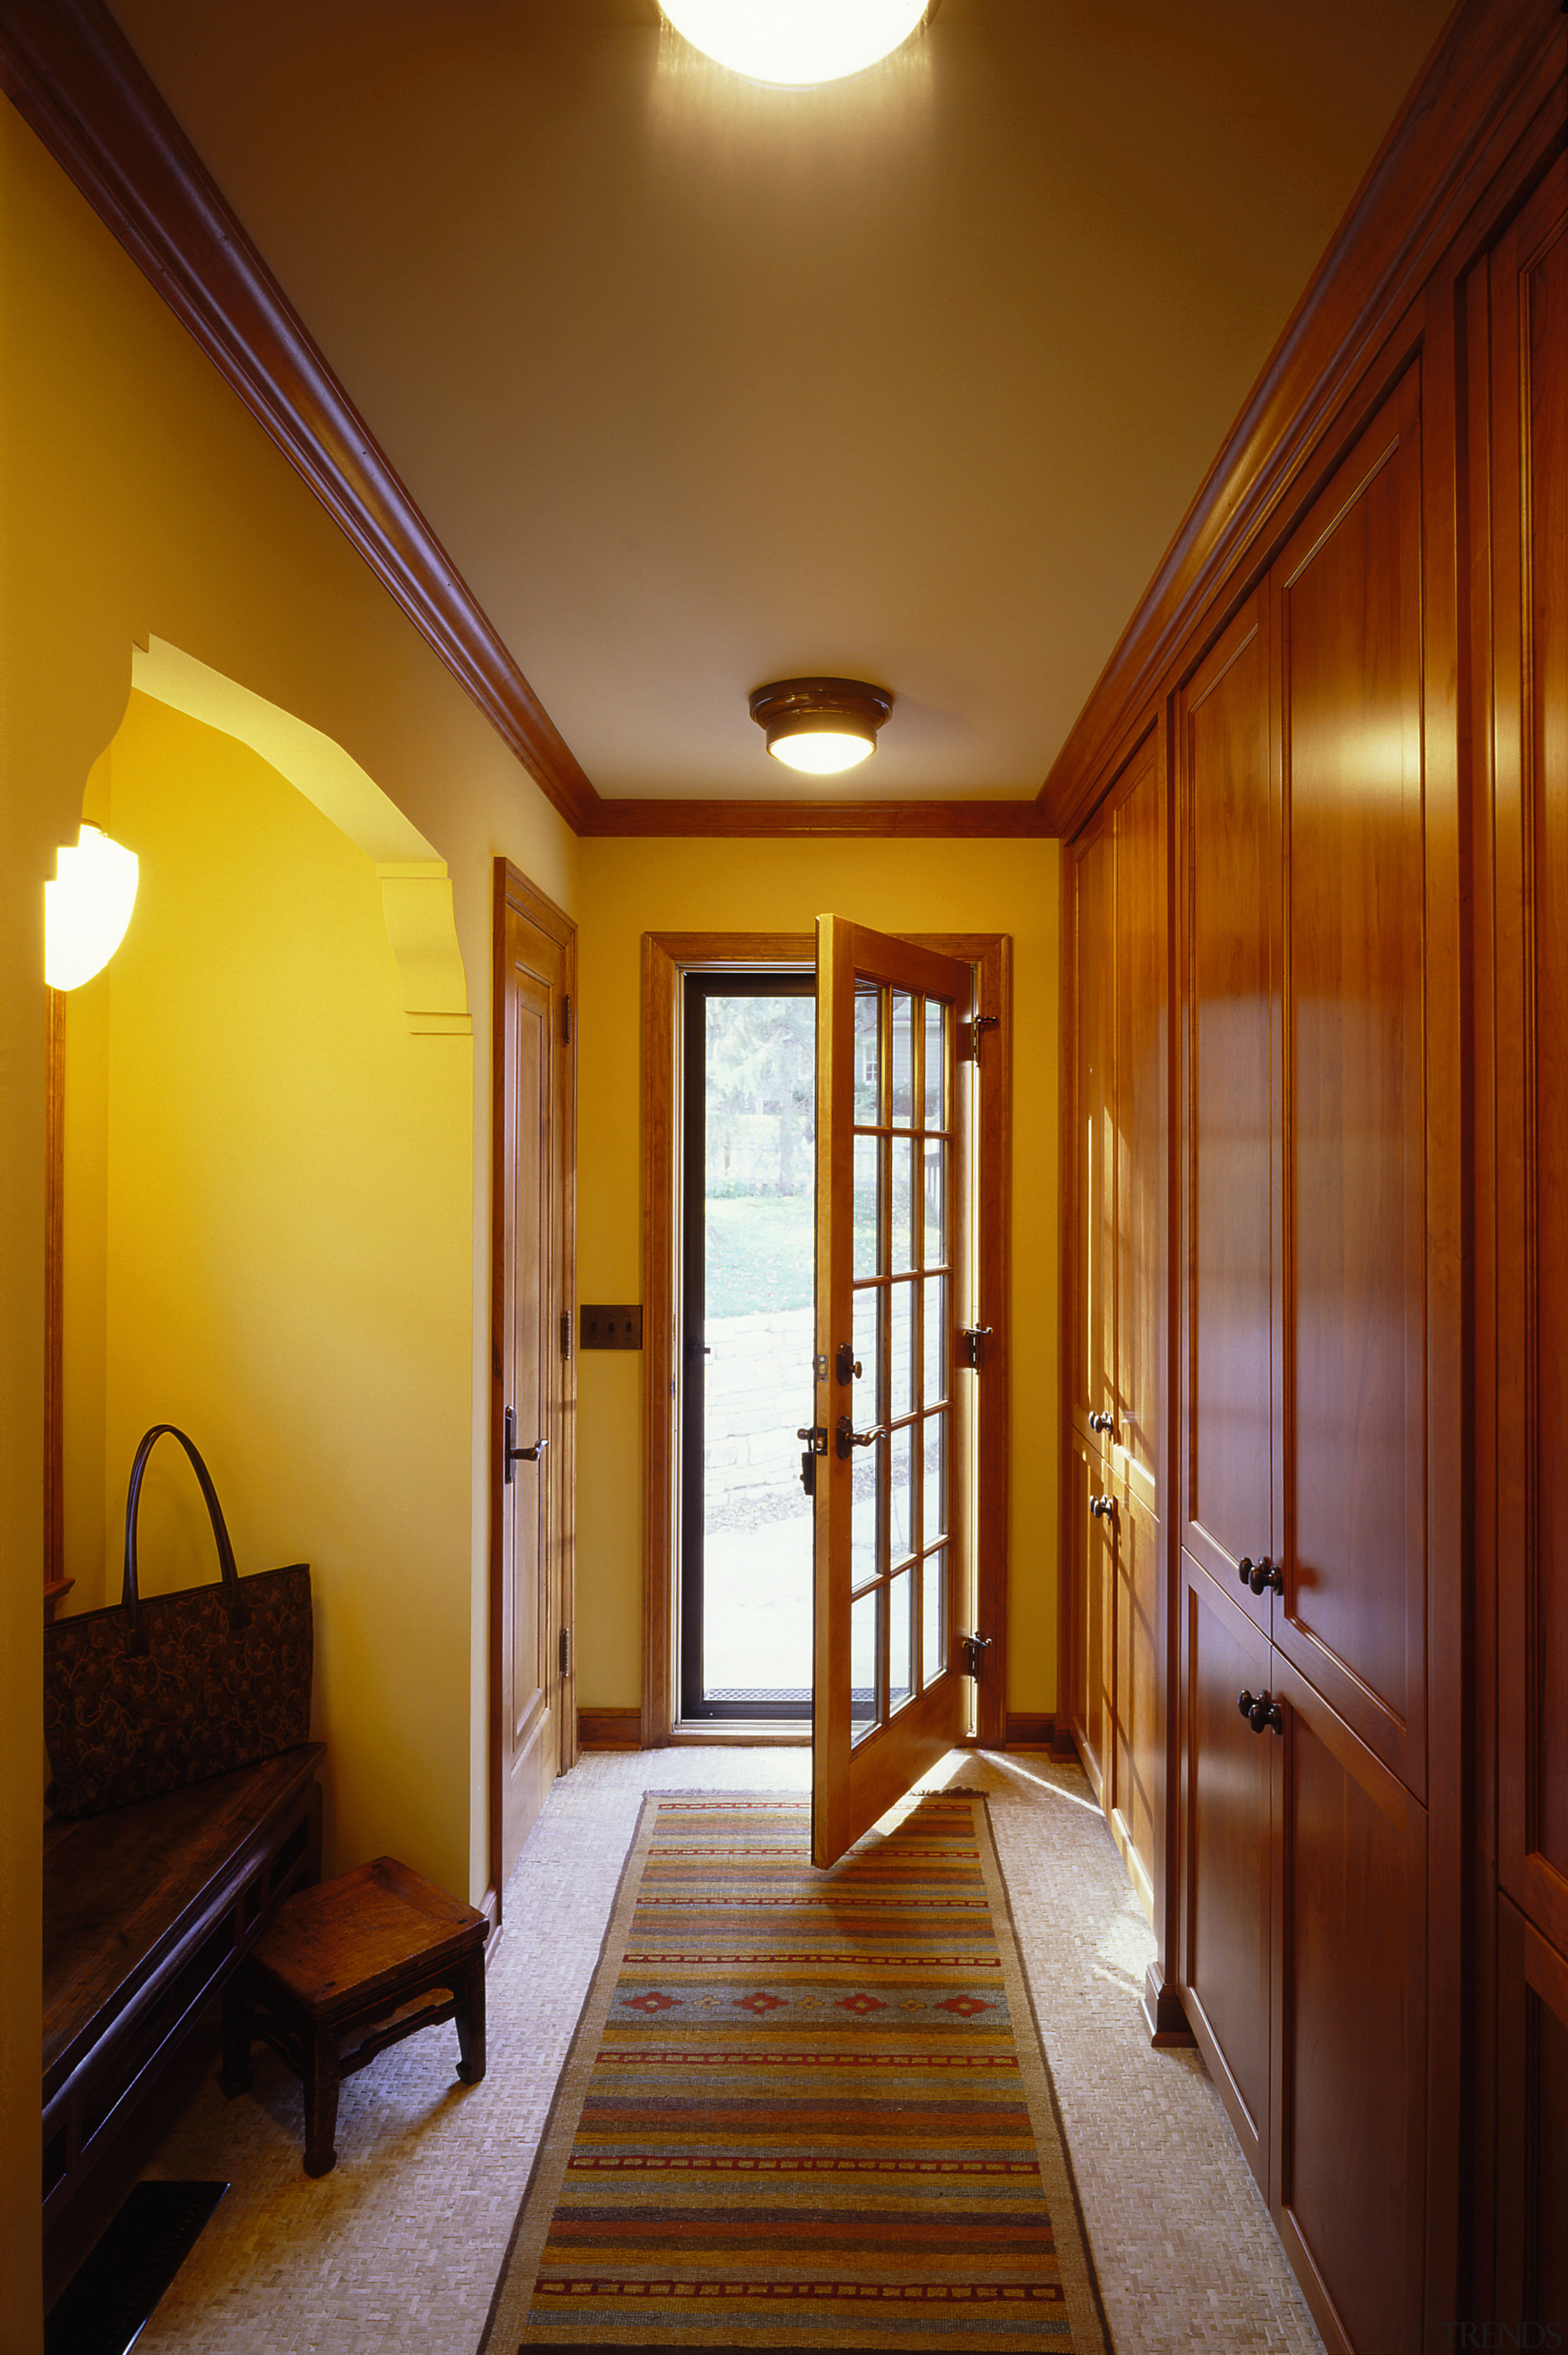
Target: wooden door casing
1346,604
532,1362
1140,1073
1231,1459
1529,1545
1229,1808
1350,2058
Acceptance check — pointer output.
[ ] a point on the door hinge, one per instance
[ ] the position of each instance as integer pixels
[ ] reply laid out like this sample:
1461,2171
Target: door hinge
969,1340
970,1034
566,1651
566,1019
973,1647
566,1332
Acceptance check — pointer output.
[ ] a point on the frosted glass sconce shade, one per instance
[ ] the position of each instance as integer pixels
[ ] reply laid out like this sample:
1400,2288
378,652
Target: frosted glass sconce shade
87,908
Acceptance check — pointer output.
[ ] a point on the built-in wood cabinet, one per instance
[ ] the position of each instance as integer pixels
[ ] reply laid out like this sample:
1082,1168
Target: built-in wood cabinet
1117,1116
1522,1030
1316,946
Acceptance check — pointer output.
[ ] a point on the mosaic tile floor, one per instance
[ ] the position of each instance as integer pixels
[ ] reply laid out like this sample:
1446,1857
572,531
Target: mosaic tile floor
400,2245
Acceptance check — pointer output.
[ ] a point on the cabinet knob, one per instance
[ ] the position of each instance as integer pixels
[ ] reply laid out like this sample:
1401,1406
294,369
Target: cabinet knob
1261,1712
1244,1568
1247,1703
1102,1423
1266,1574
1101,1507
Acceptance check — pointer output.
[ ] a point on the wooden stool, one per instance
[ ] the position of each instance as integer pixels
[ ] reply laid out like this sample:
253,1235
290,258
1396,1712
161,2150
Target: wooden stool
356,1954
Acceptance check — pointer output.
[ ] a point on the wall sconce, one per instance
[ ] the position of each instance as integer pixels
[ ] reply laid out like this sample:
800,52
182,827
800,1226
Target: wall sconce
87,908
822,726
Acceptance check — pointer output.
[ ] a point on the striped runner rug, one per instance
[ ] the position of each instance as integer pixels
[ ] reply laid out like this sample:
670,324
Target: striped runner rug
803,2108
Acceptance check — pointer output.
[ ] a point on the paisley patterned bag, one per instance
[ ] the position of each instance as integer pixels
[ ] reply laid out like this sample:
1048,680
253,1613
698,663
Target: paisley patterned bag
144,1697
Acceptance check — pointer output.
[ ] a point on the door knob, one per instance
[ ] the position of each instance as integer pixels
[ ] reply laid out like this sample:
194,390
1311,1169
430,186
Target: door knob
1102,1423
1261,1712
847,1437
1102,1507
515,1454
1266,1575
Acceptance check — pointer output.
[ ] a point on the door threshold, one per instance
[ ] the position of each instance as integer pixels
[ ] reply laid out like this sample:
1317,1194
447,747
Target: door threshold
751,1733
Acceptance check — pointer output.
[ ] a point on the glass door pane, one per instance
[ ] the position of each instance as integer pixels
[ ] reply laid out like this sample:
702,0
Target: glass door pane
749,1211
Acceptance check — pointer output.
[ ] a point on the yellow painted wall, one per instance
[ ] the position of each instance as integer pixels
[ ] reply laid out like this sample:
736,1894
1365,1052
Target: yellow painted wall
139,498
632,886
283,1265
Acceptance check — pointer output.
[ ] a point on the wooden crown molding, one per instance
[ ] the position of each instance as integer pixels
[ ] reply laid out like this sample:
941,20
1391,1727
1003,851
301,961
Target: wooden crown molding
73,76
774,820
1482,72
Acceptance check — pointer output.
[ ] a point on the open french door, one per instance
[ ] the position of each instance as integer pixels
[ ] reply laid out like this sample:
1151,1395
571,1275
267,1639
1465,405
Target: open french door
889,1448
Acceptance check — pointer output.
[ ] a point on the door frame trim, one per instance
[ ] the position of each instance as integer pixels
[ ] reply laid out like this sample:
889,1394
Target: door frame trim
668,957
512,889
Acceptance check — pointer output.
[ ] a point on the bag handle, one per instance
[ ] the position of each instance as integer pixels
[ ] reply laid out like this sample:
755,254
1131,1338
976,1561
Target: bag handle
238,1615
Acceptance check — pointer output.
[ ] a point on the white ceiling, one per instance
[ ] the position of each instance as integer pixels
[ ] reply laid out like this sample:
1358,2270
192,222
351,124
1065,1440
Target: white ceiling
910,378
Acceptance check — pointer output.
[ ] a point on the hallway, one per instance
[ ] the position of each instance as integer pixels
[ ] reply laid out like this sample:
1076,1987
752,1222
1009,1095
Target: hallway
401,2244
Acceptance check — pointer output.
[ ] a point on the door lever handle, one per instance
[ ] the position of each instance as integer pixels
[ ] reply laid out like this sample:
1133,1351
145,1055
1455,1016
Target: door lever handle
848,1437
515,1454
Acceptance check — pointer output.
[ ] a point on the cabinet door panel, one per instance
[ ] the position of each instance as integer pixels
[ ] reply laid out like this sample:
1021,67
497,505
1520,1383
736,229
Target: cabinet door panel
1138,1712
1234,891
1091,877
1530,396
1225,1897
1351,2039
1092,1615
1142,1036
1532,2131
1348,611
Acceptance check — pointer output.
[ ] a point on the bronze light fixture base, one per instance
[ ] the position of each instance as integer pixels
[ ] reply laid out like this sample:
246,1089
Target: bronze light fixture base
788,707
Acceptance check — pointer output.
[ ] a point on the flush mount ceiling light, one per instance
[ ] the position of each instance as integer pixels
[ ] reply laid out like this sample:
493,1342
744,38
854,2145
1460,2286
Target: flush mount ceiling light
820,725
795,42
87,908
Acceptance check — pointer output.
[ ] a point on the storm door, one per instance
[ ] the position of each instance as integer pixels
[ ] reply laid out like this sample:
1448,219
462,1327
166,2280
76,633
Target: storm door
893,1448
747,1108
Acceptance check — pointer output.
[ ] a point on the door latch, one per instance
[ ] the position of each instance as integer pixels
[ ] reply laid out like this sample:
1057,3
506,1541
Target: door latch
970,1340
512,1453
849,1363
847,1437
974,1646
816,1437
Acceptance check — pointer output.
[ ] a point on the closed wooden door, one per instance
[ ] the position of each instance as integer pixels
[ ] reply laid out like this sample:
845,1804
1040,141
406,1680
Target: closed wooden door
1092,1029
1092,1609
1530,1543
1137,1700
532,1402
1233,1454
1532,2133
1228,1861
1346,599
1139,1095
1350,2058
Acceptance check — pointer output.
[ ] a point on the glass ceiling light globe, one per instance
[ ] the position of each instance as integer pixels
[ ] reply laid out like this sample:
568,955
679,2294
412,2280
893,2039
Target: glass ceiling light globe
795,42
823,754
87,908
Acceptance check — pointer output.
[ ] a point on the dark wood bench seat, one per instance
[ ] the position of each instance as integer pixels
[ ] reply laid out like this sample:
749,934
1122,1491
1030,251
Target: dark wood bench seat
147,1910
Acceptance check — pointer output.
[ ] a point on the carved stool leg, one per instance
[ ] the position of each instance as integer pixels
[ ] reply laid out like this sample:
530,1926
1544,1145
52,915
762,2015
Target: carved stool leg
469,2013
236,2043
321,2083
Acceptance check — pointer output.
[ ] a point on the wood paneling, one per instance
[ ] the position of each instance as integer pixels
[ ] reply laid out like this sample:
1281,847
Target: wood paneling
1092,980
1135,1694
1226,1887
1349,2044
1231,1460
1141,1064
1530,413
1089,1572
1347,612
1533,2133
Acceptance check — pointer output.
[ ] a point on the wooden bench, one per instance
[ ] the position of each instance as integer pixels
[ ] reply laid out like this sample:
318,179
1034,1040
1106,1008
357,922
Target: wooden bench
147,1910
348,1969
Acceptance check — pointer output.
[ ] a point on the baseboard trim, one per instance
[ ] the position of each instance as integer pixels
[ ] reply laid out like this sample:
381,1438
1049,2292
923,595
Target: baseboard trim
1162,2014
1038,1730
609,1728
490,1906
